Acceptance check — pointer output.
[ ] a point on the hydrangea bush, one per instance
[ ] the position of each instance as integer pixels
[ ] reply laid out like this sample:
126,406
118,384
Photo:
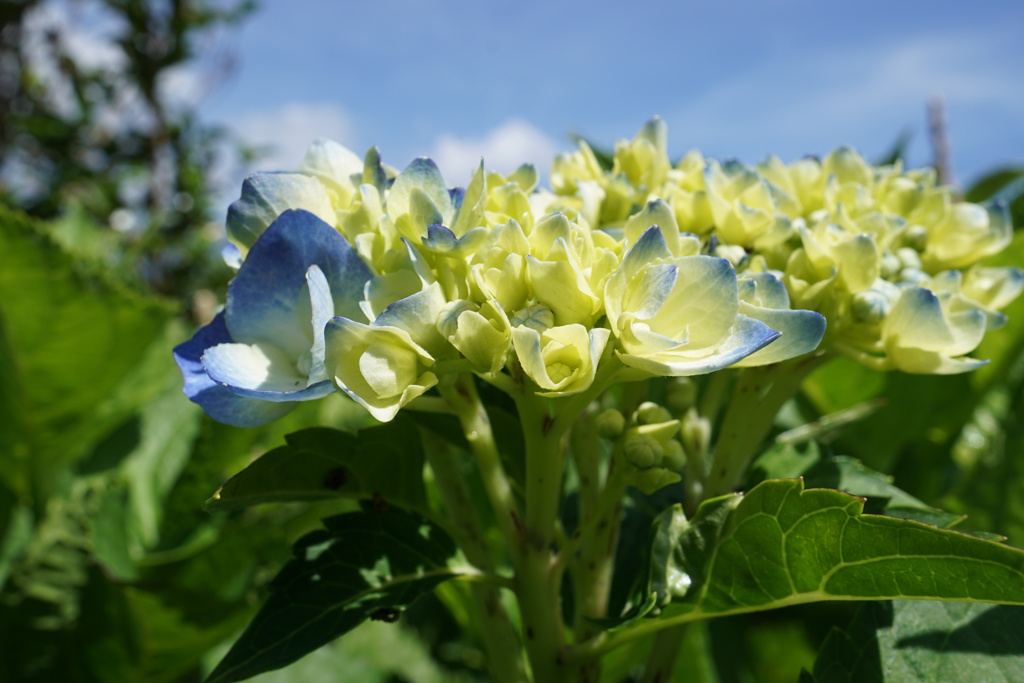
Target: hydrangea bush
631,331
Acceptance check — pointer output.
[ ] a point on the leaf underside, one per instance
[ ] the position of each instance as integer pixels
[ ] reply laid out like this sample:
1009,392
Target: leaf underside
362,565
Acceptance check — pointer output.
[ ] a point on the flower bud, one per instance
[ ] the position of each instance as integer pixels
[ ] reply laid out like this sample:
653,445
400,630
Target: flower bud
695,433
610,423
643,450
916,237
675,456
537,317
891,265
651,413
909,258
732,253
680,394
869,307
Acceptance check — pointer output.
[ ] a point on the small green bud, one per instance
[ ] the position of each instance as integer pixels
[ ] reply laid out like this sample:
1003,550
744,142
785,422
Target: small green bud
869,307
643,450
681,393
675,456
913,276
610,423
651,413
909,258
891,265
538,317
733,253
695,433
916,237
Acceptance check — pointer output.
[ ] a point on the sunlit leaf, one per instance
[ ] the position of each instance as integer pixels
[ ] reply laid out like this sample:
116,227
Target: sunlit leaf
782,545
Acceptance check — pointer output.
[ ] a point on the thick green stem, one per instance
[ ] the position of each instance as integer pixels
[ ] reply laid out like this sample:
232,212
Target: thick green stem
462,395
758,395
500,638
594,566
538,585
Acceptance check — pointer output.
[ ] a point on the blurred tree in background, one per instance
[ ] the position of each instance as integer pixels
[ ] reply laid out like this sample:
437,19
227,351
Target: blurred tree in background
98,122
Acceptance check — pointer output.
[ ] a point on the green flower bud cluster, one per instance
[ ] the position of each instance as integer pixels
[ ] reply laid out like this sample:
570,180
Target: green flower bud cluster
650,452
887,255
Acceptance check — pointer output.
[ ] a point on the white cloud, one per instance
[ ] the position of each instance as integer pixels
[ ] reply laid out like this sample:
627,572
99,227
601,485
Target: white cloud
503,149
866,93
285,132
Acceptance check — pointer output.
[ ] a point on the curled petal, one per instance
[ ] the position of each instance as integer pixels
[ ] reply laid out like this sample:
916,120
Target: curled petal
560,360
746,337
265,196
380,367
216,401
266,301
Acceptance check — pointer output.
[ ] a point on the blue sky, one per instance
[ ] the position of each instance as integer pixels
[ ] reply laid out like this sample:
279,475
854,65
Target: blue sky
456,80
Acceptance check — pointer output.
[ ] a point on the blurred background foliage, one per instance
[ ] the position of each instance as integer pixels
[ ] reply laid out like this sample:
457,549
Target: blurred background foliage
110,569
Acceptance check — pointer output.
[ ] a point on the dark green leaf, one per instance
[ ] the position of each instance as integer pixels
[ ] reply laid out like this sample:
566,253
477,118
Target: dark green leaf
849,475
917,640
782,545
110,544
322,463
363,565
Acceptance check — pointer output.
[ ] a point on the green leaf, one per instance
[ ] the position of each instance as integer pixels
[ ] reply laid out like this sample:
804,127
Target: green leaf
849,475
110,545
918,640
375,652
363,565
782,545
68,338
322,463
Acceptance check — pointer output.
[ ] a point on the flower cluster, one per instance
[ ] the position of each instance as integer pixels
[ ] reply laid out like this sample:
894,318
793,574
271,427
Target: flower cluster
889,257
355,277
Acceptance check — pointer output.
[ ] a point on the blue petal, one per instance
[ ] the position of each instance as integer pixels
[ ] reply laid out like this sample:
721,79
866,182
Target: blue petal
457,194
260,372
439,238
264,298
215,400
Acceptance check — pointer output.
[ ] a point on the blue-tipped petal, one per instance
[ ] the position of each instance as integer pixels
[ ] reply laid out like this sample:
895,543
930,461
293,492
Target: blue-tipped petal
263,303
260,372
651,246
265,196
801,333
748,336
216,401
439,238
424,175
